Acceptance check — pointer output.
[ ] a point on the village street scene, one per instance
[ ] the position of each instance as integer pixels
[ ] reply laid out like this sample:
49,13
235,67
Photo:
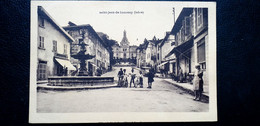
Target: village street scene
80,69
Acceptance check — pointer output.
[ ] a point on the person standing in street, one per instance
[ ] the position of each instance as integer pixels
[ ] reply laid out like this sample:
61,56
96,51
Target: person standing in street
180,75
150,78
198,83
132,78
65,71
120,76
125,80
141,79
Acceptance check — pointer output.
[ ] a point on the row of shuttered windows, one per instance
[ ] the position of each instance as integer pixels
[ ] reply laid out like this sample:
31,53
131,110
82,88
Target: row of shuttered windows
41,45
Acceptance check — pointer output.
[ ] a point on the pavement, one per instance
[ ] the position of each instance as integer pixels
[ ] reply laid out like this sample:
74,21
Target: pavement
189,88
163,97
186,87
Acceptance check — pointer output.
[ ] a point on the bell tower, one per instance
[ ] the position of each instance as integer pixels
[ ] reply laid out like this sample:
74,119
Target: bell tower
124,41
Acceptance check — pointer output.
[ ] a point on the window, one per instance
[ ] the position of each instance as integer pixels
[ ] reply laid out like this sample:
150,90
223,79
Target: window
65,48
99,53
177,39
80,41
187,26
201,53
182,34
173,43
54,46
80,31
41,42
74,49
199,17
41,71
41,23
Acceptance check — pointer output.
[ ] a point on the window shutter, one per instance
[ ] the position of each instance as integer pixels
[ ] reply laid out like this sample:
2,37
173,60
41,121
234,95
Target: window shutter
187,26
201,51
42,42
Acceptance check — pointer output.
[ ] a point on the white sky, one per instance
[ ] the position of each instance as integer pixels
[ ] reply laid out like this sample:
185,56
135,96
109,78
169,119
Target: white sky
156,20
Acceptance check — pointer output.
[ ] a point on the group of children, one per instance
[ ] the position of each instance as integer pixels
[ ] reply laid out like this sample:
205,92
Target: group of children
123,81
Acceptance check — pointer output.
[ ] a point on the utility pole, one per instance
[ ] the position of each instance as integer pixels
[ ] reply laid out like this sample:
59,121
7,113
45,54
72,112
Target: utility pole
173,12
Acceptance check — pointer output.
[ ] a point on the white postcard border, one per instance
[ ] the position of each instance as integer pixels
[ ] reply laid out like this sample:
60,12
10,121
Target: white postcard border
89,117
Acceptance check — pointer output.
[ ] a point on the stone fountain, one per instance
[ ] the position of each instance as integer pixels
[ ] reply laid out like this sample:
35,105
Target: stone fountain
82,57
82,78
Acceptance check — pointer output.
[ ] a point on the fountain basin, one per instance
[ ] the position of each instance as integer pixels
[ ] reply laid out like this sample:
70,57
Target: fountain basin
79,81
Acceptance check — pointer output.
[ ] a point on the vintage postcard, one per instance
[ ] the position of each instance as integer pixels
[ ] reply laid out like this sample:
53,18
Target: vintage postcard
122,61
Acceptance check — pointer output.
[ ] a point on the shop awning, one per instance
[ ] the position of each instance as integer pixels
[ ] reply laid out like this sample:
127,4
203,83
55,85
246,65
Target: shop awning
184,46
65,63
162,64
172,61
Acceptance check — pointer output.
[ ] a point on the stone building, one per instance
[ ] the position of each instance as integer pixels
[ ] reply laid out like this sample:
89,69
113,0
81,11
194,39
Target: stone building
95,47
141,56
124,52
151,52
191,35
147,53
53,51
165,62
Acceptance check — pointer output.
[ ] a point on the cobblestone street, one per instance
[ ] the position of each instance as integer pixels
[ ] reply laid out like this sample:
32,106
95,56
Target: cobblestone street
163,97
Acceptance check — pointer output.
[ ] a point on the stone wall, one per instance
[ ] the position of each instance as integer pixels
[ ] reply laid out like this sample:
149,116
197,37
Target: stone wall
79,81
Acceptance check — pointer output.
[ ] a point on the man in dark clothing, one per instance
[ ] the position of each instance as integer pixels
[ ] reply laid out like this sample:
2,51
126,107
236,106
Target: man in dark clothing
150,78
120,75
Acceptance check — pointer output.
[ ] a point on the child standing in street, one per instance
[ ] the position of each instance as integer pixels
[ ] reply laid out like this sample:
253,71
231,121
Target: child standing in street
132,74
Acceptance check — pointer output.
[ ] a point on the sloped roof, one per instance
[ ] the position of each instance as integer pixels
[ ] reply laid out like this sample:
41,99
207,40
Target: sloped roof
45,14
91,30
165,38
177,25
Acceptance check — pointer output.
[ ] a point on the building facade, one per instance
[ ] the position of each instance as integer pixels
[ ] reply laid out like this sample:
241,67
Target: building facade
141,55
124,52
53,48
166,62
95,46
191,35
152,52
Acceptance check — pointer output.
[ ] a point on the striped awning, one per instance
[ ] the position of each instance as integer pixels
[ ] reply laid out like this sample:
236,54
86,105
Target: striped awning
65,63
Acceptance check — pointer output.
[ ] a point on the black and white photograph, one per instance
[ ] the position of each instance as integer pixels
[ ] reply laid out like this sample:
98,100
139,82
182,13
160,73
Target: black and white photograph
123,61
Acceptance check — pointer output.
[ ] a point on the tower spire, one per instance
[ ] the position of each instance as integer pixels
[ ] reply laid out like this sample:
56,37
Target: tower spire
124,33
124,40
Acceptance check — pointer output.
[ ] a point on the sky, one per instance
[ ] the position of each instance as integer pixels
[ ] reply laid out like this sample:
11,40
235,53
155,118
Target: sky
154,19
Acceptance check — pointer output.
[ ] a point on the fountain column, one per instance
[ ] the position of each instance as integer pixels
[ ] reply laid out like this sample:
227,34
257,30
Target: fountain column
82,57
